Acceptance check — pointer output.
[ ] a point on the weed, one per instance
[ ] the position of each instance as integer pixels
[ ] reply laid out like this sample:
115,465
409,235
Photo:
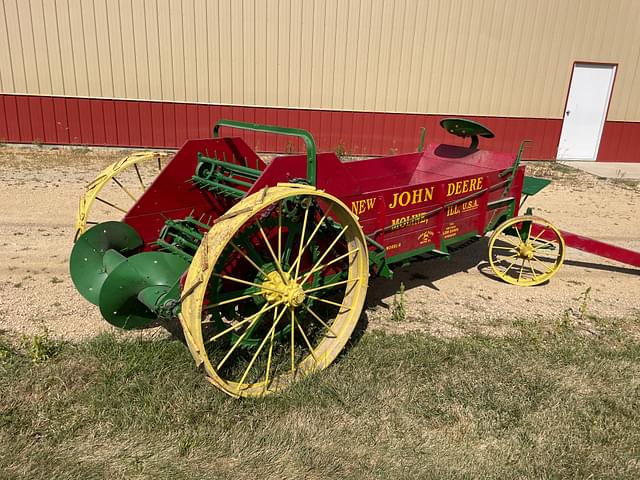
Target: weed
40,347
56,280
289,148
37,142
5,350
584,300
399,307
341,151
17,285
81,150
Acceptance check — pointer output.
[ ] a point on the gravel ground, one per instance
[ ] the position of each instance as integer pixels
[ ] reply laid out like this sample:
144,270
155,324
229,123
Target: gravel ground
41,187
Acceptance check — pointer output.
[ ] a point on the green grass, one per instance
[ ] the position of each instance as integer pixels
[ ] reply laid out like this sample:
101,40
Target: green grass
541,405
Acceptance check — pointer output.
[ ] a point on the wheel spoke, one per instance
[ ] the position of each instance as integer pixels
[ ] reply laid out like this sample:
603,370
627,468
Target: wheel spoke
235,326
539,235
329,302
273,333
311,237
293,342
331,285
306,340
273,255
521,268
246,257
262,344
135,165
257,316
509,268
302,235
322,267
315,315
507,239
231,300
111,204
502,248
335,240
543,264
550,243
117,182
280,234
245,282
533,272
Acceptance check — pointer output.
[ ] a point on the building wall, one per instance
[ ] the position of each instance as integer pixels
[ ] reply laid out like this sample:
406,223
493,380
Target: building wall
415,60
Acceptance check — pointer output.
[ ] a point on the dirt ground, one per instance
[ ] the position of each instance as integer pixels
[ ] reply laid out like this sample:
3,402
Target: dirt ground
39,196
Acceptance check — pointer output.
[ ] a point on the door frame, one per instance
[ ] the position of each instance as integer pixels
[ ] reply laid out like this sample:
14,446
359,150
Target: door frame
606,113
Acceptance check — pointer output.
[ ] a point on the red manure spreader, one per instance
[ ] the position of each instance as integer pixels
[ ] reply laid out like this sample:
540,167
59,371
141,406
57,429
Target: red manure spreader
264,267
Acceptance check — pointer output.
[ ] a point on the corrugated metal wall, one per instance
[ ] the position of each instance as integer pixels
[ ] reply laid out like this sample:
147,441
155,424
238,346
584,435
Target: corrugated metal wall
508,58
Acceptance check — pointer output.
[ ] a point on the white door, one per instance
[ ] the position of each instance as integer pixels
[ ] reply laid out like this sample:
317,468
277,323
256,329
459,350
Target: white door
586,111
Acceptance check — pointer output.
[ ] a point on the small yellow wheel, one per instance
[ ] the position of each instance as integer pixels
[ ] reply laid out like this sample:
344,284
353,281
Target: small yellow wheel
117,188
526,250
275,289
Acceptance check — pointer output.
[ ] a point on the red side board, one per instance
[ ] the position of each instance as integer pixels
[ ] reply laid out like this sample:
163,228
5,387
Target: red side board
133,123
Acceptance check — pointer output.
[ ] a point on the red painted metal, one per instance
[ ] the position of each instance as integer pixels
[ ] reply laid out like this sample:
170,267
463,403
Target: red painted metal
590,245
133,123
619,142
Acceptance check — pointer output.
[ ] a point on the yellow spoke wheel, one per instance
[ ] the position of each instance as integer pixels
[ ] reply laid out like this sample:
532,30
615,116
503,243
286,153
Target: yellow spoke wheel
117,188
526,250
286,267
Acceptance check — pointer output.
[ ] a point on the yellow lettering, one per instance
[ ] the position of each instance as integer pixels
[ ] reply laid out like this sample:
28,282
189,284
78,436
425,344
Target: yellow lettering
472,184
480,183
371,202
405,198
428,191
394,204
417,196
458,187
451,188
465,186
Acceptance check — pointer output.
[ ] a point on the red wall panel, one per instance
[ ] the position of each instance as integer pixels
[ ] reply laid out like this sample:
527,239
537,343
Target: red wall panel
619,142
62,120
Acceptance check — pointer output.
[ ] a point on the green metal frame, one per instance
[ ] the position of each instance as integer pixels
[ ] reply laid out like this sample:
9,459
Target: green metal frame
292,132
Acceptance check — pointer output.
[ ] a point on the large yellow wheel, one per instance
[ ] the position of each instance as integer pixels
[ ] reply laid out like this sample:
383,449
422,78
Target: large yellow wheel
275,289
117,188
526,250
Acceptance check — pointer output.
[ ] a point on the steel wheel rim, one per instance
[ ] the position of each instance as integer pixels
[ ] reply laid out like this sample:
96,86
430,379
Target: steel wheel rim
330,334
130,191
526,259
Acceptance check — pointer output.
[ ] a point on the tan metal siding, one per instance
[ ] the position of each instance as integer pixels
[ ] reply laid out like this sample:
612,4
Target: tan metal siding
475,57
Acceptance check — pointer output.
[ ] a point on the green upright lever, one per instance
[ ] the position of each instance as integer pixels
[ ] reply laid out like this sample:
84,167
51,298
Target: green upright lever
293,132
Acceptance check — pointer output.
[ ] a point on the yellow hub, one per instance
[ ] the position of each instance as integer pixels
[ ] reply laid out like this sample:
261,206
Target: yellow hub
282,288
525,250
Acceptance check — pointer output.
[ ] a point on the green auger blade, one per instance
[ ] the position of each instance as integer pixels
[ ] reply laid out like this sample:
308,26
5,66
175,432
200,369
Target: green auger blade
98,251
136,288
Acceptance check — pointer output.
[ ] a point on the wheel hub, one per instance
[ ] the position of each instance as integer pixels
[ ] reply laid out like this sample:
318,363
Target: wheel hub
525,251
282,288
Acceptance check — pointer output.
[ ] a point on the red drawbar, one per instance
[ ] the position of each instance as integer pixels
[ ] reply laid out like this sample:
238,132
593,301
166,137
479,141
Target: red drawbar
138,123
